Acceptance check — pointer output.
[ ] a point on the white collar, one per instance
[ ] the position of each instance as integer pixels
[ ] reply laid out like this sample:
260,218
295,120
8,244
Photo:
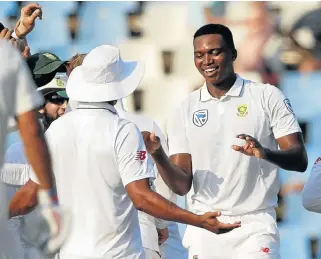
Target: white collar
235,90
105,106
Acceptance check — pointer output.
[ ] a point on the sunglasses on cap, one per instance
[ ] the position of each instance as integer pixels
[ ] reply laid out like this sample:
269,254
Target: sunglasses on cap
56,98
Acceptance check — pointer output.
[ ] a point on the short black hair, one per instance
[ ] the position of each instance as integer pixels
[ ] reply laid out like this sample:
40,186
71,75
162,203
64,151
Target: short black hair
217,29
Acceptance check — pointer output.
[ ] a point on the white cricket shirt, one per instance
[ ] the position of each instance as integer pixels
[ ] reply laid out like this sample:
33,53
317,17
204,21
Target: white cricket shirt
206,127
17,95
311,194
95,154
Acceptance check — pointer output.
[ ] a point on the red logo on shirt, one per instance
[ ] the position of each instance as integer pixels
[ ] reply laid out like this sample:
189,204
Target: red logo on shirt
318,160
141,155
265,250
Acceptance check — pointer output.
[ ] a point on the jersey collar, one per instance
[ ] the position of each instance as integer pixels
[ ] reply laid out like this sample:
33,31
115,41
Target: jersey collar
235,90
96,106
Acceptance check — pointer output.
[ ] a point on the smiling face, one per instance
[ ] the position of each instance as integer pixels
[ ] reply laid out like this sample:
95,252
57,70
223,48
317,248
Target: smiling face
213,58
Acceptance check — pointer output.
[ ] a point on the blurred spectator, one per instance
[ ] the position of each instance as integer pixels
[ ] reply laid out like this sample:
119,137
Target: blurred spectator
259,29
306,37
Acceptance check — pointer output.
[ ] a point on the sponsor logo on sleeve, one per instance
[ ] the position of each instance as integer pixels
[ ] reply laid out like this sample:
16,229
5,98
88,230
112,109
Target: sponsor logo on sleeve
288,105
141,155
318,160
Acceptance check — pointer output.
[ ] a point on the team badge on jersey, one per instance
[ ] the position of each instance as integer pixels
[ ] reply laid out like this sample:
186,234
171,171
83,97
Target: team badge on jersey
242,110
200,117
288,105
195,256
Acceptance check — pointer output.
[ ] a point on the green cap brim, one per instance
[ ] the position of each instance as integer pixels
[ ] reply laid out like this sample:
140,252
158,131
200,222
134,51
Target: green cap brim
63,94
56,66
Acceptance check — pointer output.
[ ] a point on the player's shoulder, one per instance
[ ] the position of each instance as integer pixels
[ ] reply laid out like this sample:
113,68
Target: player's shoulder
258,87
142,121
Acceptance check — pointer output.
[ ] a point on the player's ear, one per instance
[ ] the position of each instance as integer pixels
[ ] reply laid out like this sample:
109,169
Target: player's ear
234,54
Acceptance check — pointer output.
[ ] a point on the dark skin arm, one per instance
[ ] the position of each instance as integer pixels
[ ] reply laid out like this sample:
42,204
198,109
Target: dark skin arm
176,170
144,199
292,155
24,200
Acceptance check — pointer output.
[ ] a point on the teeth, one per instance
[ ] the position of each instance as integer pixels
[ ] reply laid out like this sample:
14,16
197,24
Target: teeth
210,69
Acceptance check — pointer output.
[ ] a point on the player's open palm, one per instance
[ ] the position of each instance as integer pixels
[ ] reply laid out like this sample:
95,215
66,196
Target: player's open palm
251,147
152,142
211,223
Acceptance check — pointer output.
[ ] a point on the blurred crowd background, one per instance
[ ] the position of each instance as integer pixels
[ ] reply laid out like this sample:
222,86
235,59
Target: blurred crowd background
277,42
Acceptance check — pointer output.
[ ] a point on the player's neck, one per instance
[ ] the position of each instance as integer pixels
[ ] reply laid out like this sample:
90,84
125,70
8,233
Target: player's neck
218,90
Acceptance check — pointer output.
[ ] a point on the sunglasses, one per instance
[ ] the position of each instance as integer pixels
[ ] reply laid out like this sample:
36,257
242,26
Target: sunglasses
56,99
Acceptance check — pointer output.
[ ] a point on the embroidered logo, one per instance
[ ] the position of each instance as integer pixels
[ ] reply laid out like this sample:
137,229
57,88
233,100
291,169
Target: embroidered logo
50,56
59,82
141,155
265,250
288,105
200,117
242,110
318,160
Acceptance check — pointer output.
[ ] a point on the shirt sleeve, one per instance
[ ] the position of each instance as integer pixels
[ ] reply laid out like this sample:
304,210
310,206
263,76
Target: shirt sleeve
282,118
131,154
311,194
176,134
27,97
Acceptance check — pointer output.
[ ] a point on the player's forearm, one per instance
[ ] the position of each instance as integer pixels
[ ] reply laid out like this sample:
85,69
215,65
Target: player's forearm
176,179
154,204
36,149
294,159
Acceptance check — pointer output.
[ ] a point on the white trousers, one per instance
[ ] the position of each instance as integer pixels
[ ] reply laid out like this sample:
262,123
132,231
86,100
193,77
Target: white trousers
257,238
151,254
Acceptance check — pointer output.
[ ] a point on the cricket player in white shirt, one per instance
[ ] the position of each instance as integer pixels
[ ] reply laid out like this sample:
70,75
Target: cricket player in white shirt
108,169
15,171
224,139
19,98
153,244
311,194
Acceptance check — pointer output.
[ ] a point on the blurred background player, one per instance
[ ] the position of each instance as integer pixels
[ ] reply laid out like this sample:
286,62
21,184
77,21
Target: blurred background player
20,99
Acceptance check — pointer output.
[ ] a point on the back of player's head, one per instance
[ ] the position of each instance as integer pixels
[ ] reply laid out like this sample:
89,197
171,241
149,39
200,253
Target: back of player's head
217,29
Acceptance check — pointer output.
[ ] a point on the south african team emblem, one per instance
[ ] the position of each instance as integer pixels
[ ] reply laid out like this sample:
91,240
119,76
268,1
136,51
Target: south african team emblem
242,110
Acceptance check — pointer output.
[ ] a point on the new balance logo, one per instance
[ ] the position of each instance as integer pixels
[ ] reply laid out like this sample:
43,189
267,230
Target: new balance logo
141,155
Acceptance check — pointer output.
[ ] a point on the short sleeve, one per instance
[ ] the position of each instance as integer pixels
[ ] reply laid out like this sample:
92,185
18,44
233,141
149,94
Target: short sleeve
281,115
131,154
27,97
176,134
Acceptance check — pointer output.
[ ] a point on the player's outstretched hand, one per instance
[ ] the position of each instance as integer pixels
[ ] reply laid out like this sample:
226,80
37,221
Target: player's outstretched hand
251,147
211,223
47,227
152,142
29,14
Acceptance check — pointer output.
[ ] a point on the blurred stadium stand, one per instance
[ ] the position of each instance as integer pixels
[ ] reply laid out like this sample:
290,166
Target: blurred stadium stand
160,34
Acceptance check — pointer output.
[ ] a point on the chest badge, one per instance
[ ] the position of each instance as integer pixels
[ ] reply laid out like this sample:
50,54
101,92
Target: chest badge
200,118
242,110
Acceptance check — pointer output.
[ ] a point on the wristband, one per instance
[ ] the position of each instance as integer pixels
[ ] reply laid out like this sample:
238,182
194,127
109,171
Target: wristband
14,35
47,197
